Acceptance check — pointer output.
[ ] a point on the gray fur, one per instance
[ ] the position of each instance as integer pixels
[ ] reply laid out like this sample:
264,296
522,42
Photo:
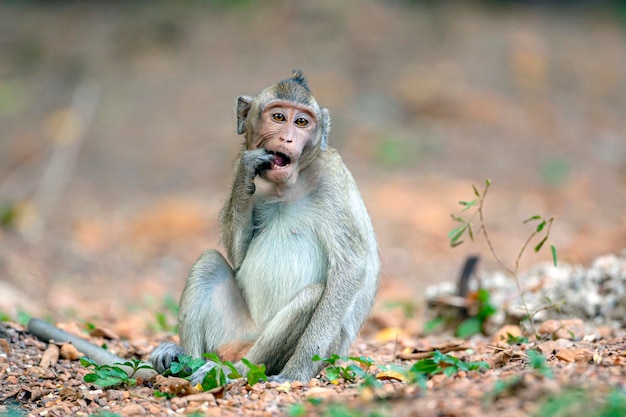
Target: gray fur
304,258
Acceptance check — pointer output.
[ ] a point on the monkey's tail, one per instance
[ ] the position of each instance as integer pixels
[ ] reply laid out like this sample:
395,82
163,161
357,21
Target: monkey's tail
47,332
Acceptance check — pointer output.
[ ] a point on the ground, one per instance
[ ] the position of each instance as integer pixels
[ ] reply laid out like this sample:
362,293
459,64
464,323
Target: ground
118,136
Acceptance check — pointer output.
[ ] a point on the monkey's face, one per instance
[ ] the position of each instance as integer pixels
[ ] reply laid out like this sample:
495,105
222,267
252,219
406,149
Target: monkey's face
285,129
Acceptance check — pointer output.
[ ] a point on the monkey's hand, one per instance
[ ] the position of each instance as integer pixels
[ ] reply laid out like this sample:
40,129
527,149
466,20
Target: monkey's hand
253,162
163,356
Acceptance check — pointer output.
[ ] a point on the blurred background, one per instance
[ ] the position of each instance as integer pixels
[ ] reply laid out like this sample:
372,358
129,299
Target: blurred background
117,133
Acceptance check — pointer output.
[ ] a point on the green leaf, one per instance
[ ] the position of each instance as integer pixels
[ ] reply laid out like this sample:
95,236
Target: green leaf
234,373
363,360
455,234
433,325
425,366
540,244
296,410
333,373
476,191
538,362
87,362
256,373
468,204
488,182
554,257
214,378
532,218
540,226
469,327
457,218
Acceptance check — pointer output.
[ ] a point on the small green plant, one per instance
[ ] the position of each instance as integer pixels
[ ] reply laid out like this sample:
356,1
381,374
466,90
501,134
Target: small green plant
255,373
331,410
466,228
445,364
538,363
516,340
164,319
185,366
23,317
433,325
112,375
351,372
579,402
106,413
475,325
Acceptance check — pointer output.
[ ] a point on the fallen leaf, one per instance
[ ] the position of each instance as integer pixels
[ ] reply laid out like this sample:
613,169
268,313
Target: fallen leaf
391,375
103,332
416,353
69,351
50,356
284,387
502,334
501,358
4,346
575,355
573,329
390,334
176,386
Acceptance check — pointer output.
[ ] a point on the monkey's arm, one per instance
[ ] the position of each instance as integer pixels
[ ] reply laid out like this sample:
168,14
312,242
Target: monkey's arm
236,216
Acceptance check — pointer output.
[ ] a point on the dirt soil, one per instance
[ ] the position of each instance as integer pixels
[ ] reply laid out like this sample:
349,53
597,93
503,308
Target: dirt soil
116,147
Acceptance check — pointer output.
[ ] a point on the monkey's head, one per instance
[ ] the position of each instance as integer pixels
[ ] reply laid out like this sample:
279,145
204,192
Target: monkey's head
285,120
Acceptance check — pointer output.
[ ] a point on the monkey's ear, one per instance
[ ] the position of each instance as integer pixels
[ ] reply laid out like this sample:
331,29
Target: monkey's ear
243,107
325,128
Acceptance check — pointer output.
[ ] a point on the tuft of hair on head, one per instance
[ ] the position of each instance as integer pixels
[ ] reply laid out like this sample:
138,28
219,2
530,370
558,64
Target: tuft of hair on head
298,76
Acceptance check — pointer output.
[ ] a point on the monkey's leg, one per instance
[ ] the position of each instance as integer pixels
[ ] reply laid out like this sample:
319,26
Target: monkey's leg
212,312
278,340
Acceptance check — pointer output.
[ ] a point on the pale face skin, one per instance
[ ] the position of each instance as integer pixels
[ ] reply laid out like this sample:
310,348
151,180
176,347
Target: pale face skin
285,129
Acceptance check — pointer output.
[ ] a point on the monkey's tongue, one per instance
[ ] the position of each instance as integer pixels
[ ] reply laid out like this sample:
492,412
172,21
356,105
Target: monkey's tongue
280,159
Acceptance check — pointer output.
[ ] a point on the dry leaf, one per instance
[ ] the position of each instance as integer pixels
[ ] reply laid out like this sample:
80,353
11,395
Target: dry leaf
284,387
69,351
453,346
574,355
390,334
573,329
176,386
4,346
50,356
391,375
502,334
501,358
103,332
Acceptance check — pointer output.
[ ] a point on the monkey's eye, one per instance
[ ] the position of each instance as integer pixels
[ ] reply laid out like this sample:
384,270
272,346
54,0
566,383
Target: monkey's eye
278,117
301,122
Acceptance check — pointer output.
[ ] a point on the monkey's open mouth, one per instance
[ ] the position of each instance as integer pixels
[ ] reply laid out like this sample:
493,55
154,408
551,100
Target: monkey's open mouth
280,160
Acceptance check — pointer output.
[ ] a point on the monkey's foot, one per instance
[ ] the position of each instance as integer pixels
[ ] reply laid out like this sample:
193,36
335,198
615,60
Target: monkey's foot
280,378
162,357
198,376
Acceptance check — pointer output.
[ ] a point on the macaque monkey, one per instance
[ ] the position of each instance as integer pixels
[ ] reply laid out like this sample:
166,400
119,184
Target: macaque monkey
304,264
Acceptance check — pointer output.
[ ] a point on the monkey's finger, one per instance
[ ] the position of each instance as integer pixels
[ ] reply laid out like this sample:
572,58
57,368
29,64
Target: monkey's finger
163,356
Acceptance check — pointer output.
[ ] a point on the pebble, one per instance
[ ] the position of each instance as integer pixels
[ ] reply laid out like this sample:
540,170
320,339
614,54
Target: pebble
133,410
